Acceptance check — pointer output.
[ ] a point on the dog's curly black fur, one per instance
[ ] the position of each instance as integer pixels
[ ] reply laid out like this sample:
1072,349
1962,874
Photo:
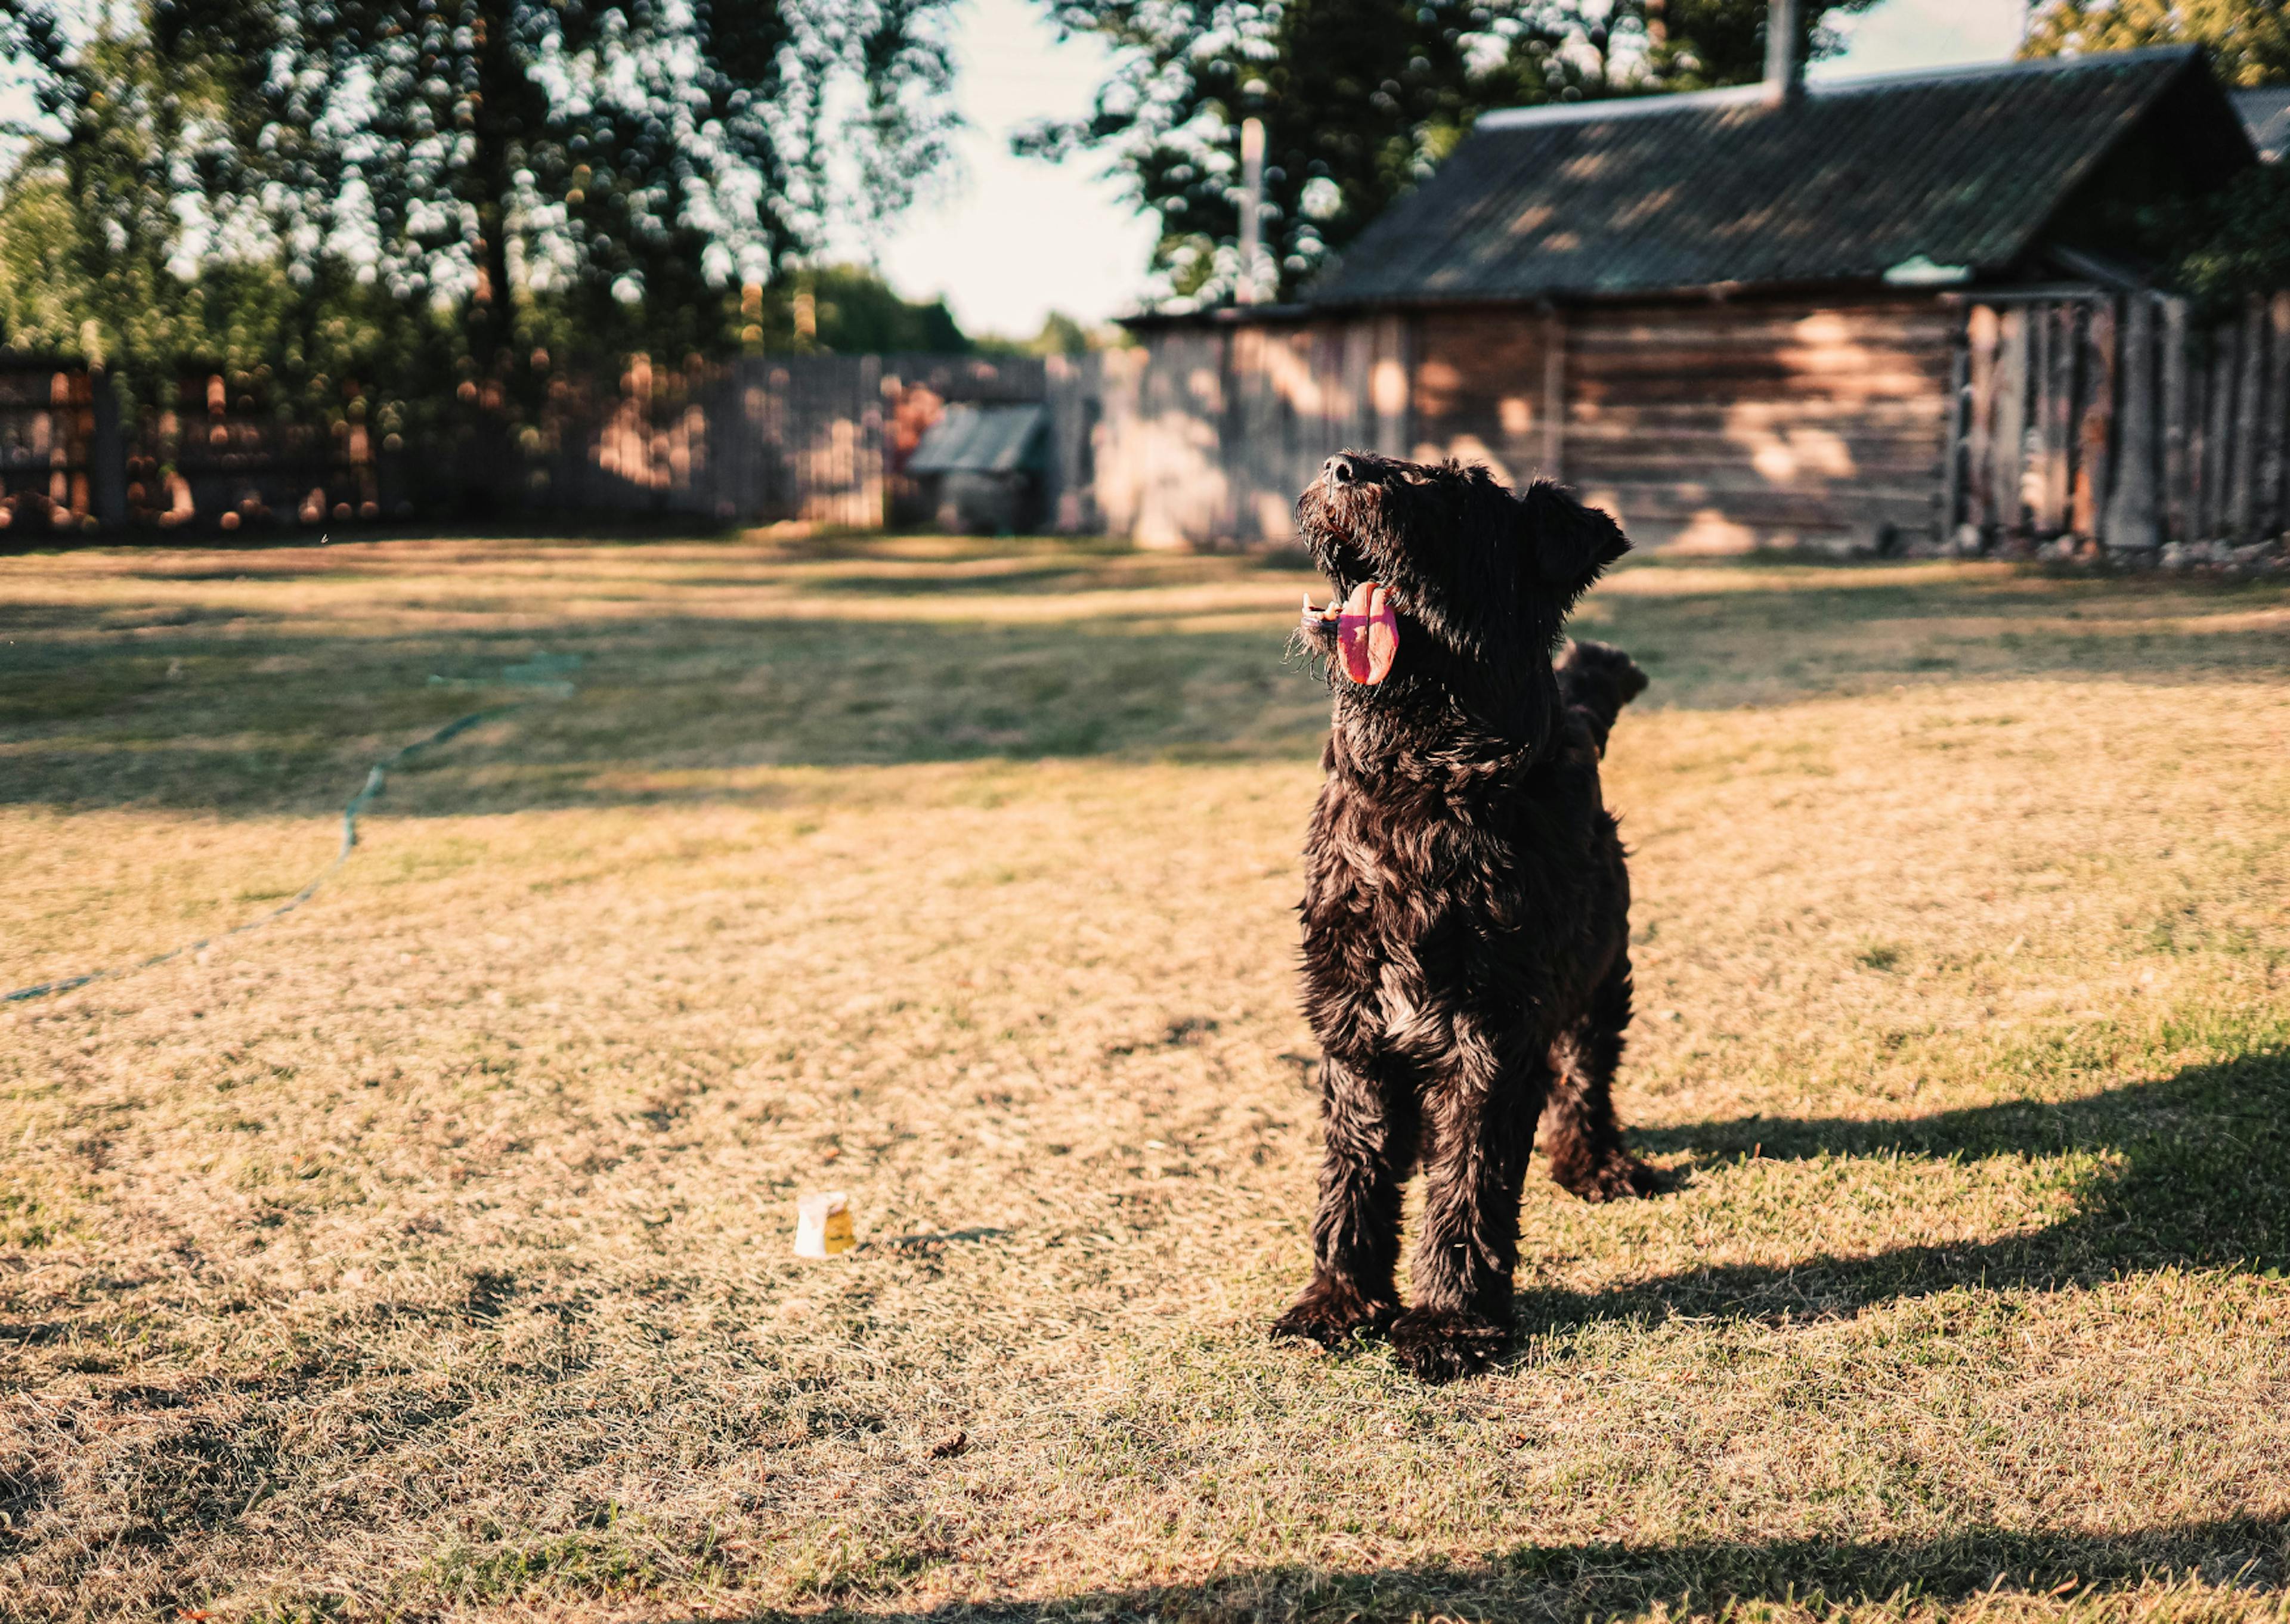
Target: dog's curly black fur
1466,933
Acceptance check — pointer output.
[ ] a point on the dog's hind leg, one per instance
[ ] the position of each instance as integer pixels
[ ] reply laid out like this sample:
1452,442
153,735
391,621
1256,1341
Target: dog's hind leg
1478,1131
1369,1129
1578,1124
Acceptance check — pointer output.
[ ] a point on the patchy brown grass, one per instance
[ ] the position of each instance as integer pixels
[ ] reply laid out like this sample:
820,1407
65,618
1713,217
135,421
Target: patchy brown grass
427,1254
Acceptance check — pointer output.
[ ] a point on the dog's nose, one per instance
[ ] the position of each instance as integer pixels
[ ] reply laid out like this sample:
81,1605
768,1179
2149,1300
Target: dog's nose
1339,471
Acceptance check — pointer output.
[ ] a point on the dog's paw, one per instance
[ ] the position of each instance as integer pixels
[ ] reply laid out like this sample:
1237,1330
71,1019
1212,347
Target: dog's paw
1615,1178
1436,1345
1332,1312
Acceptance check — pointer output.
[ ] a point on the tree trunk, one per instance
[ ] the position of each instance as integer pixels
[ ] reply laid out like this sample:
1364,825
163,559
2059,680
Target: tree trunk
493,309
491,474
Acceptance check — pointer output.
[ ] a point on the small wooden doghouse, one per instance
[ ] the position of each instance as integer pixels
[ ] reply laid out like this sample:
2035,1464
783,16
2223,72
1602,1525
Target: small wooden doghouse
979,467
1736,318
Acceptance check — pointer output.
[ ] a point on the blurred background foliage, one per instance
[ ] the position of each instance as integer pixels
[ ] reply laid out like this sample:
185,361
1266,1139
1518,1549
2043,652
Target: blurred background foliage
456,196
2232,244
2248,41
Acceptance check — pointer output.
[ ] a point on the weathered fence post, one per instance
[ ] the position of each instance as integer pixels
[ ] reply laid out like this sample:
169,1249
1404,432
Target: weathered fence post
2178,405
108,455
2055,424
2273,500
2130,524
2212,511
1984,330
2010,458
1959,408
2102,335
2249,415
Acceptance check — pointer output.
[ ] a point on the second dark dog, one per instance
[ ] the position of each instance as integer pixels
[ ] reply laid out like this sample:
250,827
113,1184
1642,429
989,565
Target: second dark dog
1466,911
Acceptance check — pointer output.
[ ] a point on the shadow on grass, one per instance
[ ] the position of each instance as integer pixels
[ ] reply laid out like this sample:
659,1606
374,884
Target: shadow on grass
259,720
2195,1172
1570,1582
238,708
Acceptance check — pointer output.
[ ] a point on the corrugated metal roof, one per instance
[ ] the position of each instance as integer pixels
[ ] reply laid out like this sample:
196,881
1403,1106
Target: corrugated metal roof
2266,115
1927,172
981,440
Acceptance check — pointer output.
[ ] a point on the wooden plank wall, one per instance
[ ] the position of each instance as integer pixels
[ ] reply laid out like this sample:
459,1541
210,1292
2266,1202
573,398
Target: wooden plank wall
2094,416
642,448
1073,387
819,439
1755,423
48,452
815,439
1160,476
1761,423
1479,390
1209,433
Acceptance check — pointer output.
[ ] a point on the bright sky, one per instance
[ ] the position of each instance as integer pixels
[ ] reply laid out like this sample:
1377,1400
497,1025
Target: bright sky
1016,239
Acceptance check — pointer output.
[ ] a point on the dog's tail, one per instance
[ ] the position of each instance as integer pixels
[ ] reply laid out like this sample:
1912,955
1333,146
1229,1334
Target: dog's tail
1598,679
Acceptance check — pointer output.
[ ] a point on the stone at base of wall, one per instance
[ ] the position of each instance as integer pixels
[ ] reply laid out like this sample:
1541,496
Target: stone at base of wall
2230,559
2224,555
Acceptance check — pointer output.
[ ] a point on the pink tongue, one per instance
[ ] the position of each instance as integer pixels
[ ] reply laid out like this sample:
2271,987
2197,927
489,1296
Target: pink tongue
1367,634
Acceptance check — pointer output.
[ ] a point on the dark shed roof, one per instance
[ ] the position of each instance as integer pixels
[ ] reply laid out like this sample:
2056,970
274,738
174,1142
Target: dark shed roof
1923,176
973,439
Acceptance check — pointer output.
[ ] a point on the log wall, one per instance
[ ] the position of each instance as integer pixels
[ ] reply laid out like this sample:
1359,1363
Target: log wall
1710,426
1489,387
2090,415
1699,425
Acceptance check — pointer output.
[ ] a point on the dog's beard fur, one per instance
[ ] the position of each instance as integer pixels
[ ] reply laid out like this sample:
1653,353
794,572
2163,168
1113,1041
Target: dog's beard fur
1466,929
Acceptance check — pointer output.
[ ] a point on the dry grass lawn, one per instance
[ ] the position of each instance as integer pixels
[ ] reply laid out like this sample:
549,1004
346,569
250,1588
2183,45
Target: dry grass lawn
427,1254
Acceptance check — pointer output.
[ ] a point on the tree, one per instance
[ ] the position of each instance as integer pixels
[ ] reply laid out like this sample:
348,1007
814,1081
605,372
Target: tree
459,185
1059,335
855,312
2233,242
91,237
1360,99
2248,40
2232,245
624,163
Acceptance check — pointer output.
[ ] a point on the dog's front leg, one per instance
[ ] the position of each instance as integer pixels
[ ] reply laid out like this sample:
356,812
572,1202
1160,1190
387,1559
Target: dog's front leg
1480,1113
1369,1131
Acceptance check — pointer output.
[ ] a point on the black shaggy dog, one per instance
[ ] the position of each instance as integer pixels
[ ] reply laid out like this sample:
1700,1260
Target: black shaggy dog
1466,929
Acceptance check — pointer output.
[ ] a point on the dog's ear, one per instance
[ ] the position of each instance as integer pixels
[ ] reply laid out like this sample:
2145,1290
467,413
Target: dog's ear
1571,545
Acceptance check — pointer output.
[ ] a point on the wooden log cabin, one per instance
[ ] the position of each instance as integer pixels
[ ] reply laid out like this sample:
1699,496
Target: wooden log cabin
1736,318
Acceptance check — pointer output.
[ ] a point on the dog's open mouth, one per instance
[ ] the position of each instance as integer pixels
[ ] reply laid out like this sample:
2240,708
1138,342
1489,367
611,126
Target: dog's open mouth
1367,631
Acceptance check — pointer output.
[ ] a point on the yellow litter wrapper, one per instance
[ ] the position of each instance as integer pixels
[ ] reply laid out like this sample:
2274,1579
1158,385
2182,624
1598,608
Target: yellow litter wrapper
822,1224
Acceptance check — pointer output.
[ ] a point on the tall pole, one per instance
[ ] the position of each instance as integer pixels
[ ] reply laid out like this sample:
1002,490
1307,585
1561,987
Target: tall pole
1784,74
1252,209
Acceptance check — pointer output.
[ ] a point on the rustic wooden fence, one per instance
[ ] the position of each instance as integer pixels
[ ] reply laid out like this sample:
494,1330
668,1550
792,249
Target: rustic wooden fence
1208,433
815,439
812,439
59,445
2118,418
218,454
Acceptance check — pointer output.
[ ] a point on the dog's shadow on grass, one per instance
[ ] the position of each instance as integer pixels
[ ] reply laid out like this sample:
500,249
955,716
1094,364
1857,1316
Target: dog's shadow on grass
1568,1583
2193,1171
